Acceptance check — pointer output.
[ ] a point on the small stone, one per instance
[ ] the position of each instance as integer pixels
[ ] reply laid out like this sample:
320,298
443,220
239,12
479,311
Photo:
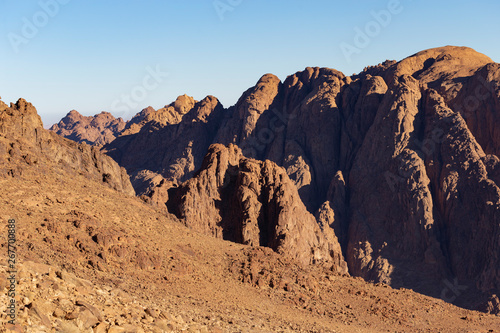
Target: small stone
59,313
164,325
88,319
120,321
101,328
52,274
30,295
34,311
91,308
66,304
23,274
165,315
153,312
71,315
68,327
116,329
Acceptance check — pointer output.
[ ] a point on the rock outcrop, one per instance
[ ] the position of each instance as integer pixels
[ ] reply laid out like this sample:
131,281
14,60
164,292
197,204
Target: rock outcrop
183,144
24,139
253,202
423,193
168,115
390,198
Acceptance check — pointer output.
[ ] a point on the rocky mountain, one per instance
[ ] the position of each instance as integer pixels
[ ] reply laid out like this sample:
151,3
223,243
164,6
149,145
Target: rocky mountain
253,202
93,258
24,142
187,142
104,128
400,161
97,130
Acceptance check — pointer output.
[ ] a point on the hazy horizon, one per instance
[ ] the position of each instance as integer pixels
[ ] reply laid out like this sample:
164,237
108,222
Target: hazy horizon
121,57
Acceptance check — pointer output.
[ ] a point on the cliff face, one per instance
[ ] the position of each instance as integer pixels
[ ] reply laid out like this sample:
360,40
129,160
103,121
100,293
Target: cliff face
253,202
24,139
172,151
424,196
401,162
383,149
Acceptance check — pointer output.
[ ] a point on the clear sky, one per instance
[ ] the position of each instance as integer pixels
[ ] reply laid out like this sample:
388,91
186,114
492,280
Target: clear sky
122,56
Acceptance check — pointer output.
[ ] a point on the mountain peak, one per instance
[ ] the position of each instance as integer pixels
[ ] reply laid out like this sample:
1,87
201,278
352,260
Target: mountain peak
437,63
74,113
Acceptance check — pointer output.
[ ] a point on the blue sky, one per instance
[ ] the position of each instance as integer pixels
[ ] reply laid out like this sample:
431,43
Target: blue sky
121,56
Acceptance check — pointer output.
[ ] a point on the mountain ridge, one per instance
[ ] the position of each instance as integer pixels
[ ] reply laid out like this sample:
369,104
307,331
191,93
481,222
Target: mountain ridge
390,154
93,258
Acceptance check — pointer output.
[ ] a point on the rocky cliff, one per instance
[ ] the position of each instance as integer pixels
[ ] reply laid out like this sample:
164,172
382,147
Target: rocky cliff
253,202
184,143
24,141
400,161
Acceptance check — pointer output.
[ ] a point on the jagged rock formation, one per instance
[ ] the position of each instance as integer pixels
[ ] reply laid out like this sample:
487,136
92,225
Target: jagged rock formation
255,203
97,130
379,146
423,204
401,161
25,141
185,144
168,115
104,128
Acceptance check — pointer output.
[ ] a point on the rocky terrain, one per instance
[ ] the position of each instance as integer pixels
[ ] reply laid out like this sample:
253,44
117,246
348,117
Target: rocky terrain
93,258
252,202
400,162
273,214
24,142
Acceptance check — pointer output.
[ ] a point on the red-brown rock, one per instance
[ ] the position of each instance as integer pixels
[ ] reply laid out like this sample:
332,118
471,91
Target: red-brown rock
253,202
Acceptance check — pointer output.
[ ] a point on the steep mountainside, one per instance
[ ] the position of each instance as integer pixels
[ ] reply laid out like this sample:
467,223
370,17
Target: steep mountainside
184,145
94,259
24,142
255,203
401,161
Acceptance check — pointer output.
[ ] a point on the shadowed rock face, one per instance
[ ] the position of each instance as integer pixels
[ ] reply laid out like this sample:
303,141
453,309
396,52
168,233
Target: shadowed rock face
24,139
401,161
253,202
424,196
172,150
374,148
